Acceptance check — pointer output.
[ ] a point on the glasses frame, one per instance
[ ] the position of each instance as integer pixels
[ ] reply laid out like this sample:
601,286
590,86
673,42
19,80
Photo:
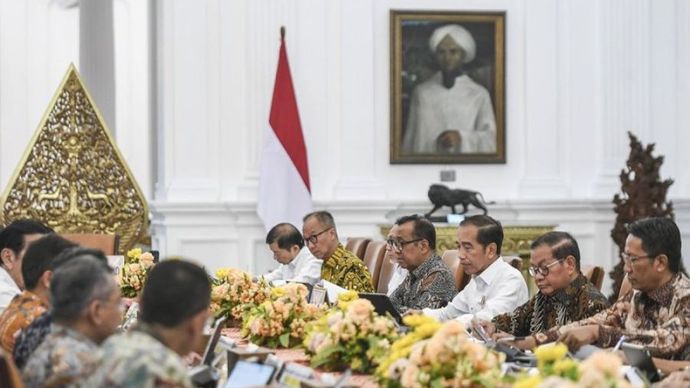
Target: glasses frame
314,238
545,270
398,245
631,259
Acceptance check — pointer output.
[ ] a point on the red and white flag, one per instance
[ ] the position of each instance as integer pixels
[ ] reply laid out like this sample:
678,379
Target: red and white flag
284,189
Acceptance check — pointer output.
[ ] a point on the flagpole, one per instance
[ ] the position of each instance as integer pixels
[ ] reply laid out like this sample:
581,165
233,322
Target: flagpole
282,32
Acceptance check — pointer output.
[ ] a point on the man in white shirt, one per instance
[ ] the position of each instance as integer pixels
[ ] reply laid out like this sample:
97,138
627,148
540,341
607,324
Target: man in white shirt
14,240
496,287
296,261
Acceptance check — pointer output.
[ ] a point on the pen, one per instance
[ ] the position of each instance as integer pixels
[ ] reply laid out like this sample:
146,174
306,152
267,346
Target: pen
509,339
619,343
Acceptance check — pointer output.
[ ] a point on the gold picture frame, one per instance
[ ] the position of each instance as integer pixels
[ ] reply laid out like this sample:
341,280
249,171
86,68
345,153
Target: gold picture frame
437,58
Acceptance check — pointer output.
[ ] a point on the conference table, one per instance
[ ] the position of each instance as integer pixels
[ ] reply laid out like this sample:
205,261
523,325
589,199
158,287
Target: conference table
298,356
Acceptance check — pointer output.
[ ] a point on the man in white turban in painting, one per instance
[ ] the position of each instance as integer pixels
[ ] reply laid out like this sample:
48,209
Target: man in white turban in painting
449,112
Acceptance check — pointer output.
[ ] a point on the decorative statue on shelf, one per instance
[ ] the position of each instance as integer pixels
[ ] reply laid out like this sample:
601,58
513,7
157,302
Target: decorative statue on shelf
441,195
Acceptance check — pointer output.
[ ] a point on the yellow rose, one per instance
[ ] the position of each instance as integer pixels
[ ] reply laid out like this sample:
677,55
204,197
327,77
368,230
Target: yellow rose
277,292
550,352
134,253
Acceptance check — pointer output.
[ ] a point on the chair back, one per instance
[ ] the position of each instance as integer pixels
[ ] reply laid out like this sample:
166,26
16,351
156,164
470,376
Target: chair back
595,275
450,258
514,261
357,245
108,243
385,275
374,256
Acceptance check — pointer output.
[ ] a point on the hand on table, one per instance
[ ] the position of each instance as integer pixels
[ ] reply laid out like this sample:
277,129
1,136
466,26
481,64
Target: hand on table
576,337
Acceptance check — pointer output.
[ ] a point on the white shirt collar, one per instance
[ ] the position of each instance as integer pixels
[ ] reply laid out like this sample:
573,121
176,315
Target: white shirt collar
491,272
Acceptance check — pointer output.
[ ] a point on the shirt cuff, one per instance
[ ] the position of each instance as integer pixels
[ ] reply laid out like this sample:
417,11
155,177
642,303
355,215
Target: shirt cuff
434,313
608,336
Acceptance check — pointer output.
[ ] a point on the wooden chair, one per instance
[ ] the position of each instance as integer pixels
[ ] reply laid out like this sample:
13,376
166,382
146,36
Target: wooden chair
357,245
9,375
515,261
385,275
374,256
595,275
450,258
108,243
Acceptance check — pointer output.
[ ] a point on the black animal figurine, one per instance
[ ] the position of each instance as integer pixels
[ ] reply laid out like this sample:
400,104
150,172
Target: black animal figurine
441,195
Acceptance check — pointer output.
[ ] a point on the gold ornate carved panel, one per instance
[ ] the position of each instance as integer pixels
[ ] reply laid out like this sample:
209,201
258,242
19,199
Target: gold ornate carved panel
72,175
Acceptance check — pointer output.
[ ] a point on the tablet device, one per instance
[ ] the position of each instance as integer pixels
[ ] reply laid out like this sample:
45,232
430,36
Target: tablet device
382,305
639,357
250,374
209,352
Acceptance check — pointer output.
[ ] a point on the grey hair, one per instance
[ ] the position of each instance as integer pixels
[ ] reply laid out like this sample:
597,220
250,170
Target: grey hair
77,283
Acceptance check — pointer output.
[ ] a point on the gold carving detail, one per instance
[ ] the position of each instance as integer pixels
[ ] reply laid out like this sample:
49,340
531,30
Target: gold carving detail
72,175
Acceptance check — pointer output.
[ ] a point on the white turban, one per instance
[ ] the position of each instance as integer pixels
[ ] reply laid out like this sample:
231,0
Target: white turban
459,35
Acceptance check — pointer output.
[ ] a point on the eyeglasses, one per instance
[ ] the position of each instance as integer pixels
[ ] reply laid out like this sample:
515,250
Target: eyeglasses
543,271
315,237
629,259
398,245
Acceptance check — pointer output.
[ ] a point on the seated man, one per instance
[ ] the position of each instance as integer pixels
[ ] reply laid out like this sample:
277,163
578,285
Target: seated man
564,296
296,262
86,310
35,300
654,313
33,335
340,266
174,309
399,273
14,240
429,283
496,287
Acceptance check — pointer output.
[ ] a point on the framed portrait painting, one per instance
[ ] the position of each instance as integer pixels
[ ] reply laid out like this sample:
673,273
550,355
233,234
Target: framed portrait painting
447,87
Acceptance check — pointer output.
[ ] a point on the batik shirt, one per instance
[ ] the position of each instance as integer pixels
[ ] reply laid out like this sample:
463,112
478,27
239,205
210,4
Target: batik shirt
65,357
138,358
30,338
23,309
658,320
579,300
347,270
431,285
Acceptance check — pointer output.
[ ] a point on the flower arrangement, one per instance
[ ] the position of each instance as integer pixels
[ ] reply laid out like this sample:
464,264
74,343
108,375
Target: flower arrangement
351,335
439,355
233,294
132,276
601,369
280,321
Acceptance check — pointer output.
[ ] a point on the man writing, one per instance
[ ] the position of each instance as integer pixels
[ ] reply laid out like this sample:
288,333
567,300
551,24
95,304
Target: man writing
296,262
654,313
564,296
496,287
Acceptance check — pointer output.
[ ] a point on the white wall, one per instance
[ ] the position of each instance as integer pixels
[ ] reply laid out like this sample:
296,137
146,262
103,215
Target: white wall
194,82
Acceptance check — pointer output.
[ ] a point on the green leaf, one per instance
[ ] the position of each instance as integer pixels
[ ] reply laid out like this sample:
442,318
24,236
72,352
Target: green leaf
285,340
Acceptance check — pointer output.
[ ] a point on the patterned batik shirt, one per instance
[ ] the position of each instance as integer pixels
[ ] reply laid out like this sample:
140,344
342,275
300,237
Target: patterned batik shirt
23,309
579,300
431,285
658,320
30,338
139,359
65,357
347,270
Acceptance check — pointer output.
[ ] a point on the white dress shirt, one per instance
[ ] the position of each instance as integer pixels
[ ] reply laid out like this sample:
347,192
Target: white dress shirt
8,289
499,289
303,268
399,275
